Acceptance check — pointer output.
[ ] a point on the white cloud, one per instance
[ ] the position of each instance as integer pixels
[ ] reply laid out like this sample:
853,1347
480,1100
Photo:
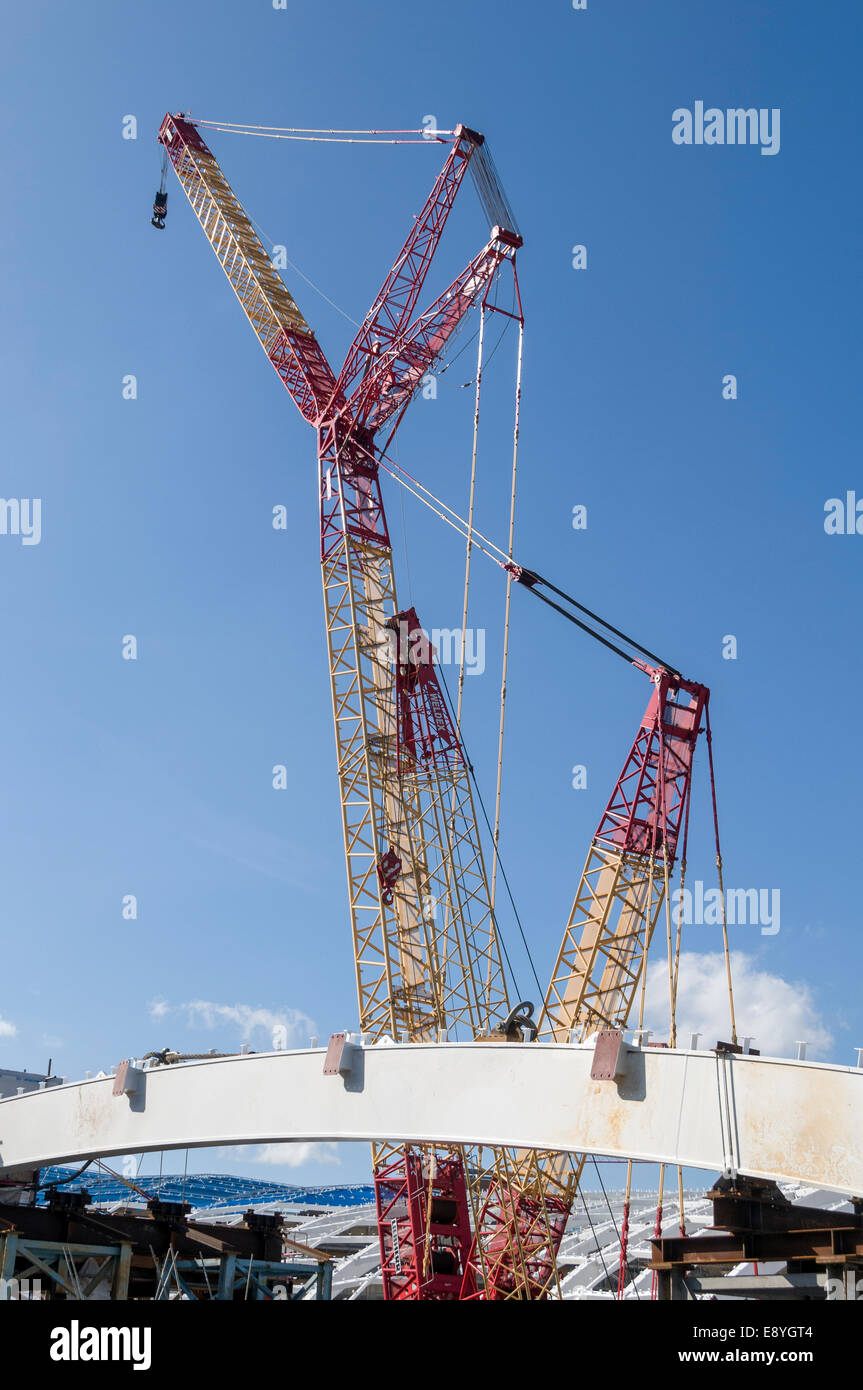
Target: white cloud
777,1013
295,1155
7,1029
248,1021
285,1155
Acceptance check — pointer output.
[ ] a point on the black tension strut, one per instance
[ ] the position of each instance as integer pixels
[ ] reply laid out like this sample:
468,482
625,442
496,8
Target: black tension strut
531,580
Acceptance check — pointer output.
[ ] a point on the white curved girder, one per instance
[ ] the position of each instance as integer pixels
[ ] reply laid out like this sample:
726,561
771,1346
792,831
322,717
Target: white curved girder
767,1117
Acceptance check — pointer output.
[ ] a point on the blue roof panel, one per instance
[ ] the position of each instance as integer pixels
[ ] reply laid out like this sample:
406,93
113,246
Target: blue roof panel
205,1189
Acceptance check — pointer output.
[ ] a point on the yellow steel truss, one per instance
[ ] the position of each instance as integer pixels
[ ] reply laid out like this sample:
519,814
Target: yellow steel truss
428,961
268,303
594,980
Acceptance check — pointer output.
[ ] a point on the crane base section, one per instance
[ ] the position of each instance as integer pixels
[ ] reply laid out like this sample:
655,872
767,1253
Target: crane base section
521,1236
424,1226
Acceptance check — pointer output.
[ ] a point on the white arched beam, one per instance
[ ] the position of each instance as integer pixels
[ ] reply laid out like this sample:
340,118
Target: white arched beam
767,1117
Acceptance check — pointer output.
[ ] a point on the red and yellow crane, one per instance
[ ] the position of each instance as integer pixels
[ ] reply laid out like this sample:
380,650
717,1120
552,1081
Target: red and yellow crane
426,948
427,952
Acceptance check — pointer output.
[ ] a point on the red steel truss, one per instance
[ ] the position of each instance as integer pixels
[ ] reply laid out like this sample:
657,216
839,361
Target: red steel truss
424,1226
389,314
426,733
645,809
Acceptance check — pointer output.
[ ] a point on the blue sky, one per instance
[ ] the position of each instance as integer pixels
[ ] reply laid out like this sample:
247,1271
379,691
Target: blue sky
705,516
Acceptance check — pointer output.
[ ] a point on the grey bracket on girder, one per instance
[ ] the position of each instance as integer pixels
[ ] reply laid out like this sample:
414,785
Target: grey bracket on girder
609,1055
127,1079
341,1055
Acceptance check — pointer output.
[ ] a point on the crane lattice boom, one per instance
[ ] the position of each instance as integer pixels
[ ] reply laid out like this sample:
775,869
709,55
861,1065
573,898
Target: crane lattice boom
426,949
426,952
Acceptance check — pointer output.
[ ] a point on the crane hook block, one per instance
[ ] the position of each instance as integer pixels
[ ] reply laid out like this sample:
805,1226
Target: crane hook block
389,870
160,209
518,1023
